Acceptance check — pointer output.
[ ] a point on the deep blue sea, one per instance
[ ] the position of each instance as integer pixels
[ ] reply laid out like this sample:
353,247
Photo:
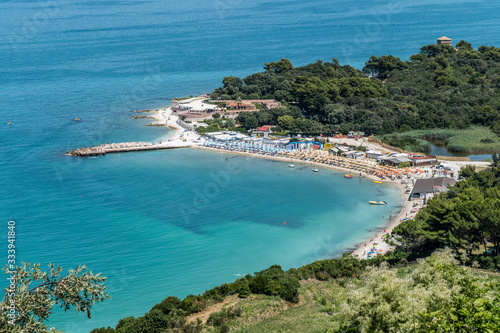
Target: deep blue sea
178,222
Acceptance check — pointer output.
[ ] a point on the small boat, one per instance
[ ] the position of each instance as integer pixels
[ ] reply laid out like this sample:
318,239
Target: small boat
377,202
291,165
377,182
315,170
9,123
348,176
77,119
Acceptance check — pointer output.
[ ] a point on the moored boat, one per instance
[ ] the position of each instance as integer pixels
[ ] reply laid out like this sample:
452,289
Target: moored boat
377,182
348,176
291,165
315,170
377,202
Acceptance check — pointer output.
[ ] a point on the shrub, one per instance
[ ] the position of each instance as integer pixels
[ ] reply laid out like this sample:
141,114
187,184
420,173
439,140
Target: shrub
218,319
244,291
167,305
103,330
192,304
125,322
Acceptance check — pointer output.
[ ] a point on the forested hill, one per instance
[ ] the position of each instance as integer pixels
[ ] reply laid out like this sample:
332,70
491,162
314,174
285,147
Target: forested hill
440,87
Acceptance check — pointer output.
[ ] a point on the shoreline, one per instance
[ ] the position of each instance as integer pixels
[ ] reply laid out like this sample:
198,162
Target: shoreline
164,116
189,138
359,248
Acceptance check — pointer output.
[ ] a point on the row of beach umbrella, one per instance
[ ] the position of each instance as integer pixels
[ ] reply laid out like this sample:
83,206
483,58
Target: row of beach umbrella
314,155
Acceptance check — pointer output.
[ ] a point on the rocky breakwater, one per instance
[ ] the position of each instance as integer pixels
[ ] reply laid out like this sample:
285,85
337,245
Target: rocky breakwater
121,147
143,117
111,148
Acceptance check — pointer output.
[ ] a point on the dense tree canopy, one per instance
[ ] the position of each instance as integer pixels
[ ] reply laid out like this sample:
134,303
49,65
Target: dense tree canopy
438,295
440,87
381,66
465,218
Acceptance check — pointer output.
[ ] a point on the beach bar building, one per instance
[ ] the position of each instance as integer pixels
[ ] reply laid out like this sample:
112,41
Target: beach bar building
394,161
263,131
354,154
305,145
334,151
338,150
427,188
374,154
422,160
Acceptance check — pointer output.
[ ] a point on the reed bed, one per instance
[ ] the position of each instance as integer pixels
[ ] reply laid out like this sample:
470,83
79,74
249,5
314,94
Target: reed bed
471,140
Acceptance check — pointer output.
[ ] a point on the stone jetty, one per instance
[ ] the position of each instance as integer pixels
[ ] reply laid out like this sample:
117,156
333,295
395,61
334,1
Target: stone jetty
103,149
143,117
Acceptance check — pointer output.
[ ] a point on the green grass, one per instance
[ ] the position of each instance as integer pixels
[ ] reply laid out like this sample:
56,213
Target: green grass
472,140
317,310
314,312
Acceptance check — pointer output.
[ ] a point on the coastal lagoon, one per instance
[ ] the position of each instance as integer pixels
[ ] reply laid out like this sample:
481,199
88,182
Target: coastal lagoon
137,217
438,147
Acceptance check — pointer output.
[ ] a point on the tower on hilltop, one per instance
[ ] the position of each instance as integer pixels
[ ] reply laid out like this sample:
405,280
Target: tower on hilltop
444,41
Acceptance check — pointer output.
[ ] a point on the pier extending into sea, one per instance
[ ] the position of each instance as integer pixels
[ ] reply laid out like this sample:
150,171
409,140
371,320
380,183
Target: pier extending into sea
103,149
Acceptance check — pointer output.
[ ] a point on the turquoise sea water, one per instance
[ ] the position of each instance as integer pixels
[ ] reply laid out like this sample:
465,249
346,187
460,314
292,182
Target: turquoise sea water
178,222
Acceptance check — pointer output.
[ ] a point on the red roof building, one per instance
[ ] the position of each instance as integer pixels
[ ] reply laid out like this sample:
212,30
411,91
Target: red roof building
266,103
243,106
266,128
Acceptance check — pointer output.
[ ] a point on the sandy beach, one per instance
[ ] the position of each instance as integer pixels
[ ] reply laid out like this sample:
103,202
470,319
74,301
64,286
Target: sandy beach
166,117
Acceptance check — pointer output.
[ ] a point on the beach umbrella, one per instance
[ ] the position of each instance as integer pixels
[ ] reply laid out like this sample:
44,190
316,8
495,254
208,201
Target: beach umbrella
381,250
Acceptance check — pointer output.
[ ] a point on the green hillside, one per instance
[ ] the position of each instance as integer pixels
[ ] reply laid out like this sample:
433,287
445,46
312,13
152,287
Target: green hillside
439,87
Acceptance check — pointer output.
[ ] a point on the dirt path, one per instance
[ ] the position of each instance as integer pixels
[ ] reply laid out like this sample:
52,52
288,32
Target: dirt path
203,315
